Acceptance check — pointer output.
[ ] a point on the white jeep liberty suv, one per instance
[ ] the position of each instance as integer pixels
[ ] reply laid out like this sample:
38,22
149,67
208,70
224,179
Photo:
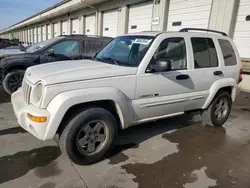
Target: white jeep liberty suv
136,78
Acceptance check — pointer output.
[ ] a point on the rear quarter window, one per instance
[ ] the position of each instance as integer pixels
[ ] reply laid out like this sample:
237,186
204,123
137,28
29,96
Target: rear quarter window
228,53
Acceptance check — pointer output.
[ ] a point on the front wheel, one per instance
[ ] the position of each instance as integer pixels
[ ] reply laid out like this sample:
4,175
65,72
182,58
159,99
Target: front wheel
13,80
219,110
89,136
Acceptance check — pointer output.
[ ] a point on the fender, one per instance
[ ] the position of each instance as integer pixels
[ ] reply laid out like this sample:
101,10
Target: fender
21,60
64,101
217,85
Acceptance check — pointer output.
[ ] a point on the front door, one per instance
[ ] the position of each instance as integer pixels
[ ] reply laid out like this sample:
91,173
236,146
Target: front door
63,51
164,93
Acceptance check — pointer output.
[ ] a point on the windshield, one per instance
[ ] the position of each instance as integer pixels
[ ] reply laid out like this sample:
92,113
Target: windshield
125,50
40,45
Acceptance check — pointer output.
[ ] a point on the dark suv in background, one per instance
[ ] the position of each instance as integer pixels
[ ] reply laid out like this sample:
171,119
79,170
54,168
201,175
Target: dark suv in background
62,48
6,43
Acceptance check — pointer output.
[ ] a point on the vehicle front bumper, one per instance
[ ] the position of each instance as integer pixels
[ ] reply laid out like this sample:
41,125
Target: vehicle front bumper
21,109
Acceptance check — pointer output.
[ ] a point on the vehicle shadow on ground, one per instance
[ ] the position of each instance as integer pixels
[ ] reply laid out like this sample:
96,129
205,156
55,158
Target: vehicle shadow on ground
14,130
19,164
4,97
132,137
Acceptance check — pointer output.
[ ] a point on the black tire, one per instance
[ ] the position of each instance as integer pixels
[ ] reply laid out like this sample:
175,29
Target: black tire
13,80
209,115
68,139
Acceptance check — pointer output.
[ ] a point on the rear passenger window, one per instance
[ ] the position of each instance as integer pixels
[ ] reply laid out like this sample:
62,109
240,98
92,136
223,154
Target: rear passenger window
92,46
228,52
205,54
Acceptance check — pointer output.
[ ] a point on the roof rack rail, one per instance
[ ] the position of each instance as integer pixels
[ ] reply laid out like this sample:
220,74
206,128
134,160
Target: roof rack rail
199,29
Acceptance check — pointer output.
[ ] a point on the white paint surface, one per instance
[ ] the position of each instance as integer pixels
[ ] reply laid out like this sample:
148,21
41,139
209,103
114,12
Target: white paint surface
190,13
242,30
90,24
110,23
56,29
75,26
65,30
140,17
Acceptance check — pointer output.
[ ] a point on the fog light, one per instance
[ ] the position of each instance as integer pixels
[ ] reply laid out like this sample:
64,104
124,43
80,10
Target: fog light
37,119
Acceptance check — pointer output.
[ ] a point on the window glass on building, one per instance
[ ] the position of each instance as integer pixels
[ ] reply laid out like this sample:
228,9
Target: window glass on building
228,53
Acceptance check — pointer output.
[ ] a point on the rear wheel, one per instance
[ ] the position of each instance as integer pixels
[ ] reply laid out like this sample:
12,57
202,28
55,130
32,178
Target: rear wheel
219,110
89,136
13,80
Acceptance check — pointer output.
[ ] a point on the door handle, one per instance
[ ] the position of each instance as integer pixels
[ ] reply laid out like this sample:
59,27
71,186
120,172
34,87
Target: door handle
217,73
182,77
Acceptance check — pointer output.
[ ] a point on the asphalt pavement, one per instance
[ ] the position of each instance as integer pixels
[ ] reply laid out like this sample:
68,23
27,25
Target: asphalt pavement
176,152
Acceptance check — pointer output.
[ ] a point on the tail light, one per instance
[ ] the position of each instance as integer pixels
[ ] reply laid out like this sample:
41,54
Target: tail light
240,76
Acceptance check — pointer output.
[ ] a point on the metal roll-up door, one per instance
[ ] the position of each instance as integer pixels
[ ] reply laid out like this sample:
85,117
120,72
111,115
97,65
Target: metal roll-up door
43,33
28,35
35,34
90,24
140,17
110,23
56,29
75,26
48,27
65,28
189,13
39,34
242,29
31,35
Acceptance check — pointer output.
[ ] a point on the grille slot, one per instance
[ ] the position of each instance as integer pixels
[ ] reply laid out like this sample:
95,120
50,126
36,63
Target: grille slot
26,92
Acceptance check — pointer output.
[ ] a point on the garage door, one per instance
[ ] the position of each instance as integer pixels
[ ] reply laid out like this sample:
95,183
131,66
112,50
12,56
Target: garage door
189,13
48,27
43,33
75,26
31,36
110,23
56,29
39,34
90,23
35,35
65,28
140,17
242,29
28,33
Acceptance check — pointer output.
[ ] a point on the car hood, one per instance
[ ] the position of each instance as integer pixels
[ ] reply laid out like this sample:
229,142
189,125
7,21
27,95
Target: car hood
4,53
17,58
71,71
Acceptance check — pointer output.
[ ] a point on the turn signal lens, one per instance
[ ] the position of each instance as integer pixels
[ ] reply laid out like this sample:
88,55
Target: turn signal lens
37,119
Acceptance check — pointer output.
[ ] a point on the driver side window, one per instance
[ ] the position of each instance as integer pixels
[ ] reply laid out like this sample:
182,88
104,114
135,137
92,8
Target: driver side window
174,51
66,47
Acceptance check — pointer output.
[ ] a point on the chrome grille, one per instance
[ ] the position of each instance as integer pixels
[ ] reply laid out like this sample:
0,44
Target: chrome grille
26,92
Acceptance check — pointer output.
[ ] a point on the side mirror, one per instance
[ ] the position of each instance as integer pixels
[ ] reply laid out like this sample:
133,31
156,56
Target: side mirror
161,65
50,52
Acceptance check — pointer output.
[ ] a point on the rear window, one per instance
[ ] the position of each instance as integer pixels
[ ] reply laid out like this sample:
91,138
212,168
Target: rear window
205,54
228,53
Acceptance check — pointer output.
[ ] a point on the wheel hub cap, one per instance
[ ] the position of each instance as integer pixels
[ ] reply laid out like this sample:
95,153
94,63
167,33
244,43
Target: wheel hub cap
92,137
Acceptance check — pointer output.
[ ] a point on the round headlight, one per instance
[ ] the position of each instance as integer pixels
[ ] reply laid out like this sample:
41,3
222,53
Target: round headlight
38,92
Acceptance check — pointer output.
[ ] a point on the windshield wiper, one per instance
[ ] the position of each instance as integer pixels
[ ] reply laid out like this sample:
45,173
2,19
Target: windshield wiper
105,60
114,61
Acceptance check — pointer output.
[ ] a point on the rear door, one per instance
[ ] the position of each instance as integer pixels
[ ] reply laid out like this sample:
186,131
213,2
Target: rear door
64,50
206,70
